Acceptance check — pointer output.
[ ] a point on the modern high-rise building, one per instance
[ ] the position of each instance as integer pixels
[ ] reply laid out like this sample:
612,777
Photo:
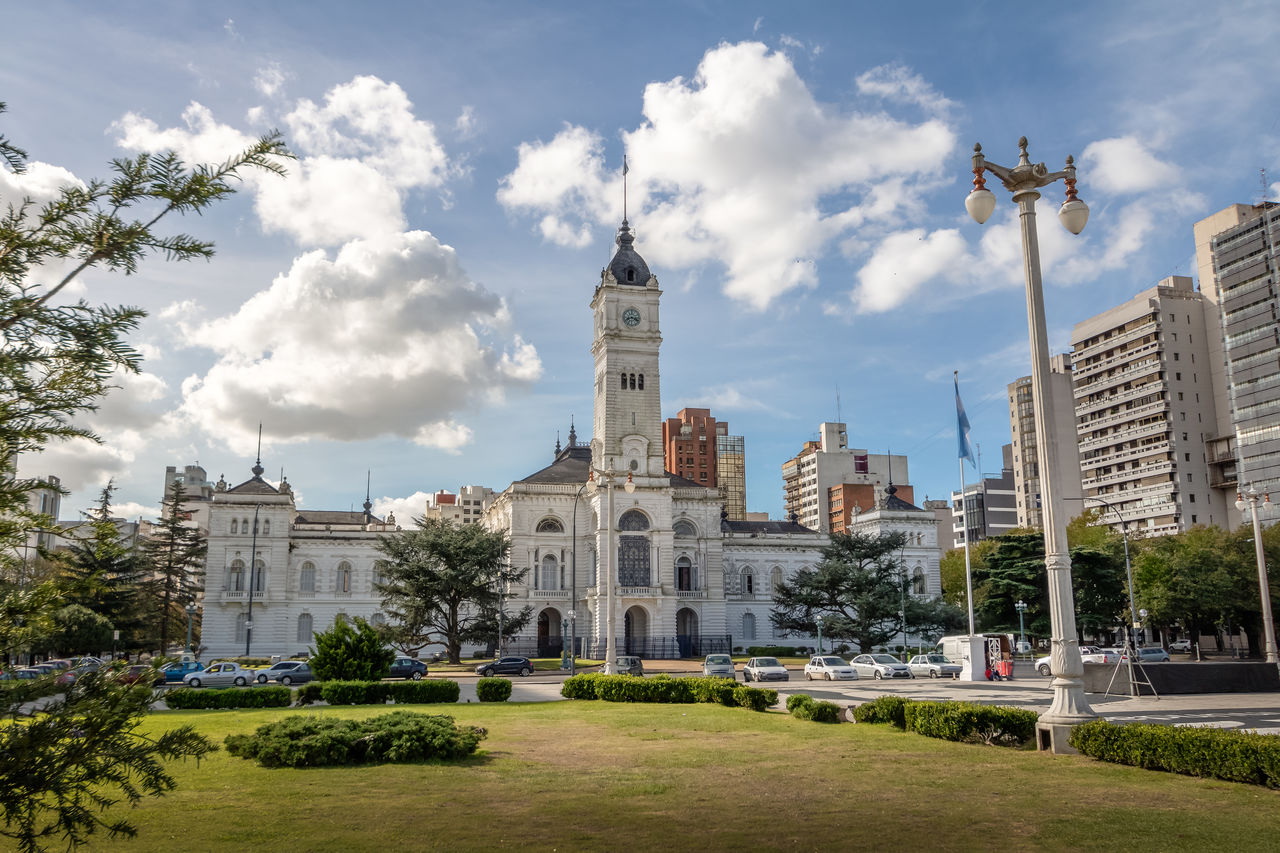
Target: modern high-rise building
827,484
1026,460
731,472
990,506
466,507
689,444
1145,408
1236,256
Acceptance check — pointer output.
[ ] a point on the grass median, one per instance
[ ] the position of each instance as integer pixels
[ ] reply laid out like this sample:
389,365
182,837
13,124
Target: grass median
598,776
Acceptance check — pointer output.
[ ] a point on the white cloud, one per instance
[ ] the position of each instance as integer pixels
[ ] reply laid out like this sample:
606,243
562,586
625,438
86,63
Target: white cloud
388,337
739,165
466,124
132,511
902,263
1124,165
405,509
896,82
270,79
360,152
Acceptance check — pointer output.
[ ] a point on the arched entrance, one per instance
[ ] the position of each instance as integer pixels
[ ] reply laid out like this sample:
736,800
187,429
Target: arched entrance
550,640
635,631
687,632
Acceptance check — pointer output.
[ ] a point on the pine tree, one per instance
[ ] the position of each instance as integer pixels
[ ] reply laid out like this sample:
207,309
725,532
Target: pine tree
175,555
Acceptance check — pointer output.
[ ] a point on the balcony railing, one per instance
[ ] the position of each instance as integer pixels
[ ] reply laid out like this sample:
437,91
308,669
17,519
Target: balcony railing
549,593
639,591
691,593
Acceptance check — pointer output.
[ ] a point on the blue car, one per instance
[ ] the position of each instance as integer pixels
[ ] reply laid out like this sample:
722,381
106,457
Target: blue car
174,673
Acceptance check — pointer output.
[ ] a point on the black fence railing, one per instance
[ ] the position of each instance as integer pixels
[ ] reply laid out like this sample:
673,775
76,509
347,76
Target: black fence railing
660,648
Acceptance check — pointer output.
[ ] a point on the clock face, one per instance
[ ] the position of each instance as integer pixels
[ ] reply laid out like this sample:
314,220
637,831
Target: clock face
631,317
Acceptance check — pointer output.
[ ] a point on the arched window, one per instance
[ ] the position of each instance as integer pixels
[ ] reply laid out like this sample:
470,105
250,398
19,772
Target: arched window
748,626
341,618
343,584
633,382
377,620
684,573
633,549
244,526
307,579
550,525
550,576
684,530
775,579
631,275
748,582
640,382
266,527
235,576
259,576
624,382
304,628
235,526
242,627
917,581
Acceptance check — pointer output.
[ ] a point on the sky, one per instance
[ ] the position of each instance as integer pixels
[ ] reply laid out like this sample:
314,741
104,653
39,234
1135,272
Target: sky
410,304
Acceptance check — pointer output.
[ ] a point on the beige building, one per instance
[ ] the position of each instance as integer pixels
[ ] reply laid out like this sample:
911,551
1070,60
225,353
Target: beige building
466,507
827,484
1236,259
1026,461
1144,408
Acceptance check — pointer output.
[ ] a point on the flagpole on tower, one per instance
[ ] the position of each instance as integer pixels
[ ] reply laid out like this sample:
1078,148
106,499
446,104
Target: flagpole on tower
624,189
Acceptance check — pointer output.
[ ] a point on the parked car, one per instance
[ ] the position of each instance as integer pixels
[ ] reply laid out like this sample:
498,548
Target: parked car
69,676
719,666
1088,654
298,675
20,674
174,673
880,666
1183,646
765,669
933,666
1152,654
136,674
829,668
59,665
219,675
628,665
273,672
408,668
506,666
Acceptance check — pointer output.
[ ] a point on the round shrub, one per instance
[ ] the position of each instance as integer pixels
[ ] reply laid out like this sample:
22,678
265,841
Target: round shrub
493,689
883,709
755,698
797,700
313,741
818,712
581,686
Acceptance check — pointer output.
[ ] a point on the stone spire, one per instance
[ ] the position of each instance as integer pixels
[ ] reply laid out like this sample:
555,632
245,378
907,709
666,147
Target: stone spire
257,468
368,504
573,435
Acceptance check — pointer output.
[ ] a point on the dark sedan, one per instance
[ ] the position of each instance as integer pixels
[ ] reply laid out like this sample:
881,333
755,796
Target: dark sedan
407,668
506,666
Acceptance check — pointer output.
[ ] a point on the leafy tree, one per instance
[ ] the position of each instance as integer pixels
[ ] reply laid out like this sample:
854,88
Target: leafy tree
857,591
349,653
175,555
444,584
934,617
954,588
64,766
78,630
1184,580
1014,571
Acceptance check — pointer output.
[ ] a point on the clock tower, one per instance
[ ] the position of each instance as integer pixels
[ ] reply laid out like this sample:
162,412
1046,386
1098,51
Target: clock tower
628,412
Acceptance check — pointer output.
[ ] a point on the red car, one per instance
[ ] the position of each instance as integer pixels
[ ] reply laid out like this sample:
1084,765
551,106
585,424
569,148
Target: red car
139,673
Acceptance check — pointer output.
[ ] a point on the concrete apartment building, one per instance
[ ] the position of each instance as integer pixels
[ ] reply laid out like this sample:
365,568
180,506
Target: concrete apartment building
827,484
1236,259
1145,408
990,506
700,449
466,507
1026,460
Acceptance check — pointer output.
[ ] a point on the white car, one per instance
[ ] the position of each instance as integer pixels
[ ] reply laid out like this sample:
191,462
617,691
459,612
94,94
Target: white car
1088,654
1183,646
765,669
880,666
220,675
718,666
829,668
934,666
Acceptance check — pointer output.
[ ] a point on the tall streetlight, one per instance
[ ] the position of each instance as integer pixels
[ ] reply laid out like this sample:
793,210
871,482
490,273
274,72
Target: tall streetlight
573,581
1069,705
253,567
1268,626
1021,607
610,478
191,614
1128,570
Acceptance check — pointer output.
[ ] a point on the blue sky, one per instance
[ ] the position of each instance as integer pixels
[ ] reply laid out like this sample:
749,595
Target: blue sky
412,300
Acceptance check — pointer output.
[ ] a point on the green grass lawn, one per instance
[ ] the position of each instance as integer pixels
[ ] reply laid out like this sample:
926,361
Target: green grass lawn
597,776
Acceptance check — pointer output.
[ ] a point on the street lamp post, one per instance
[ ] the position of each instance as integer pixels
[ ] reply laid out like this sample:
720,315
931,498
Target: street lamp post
573,585
1021,607
1128,570
191,614
610,478
1069,705
1268,626
253,570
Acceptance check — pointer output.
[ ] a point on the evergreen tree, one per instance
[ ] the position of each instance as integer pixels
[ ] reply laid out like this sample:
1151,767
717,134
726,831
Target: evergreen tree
175,554
346,653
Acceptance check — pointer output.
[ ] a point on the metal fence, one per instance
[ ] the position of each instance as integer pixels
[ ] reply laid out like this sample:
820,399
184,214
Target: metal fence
653,648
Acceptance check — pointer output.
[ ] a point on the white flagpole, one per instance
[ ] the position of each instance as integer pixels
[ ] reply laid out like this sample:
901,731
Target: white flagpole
968,572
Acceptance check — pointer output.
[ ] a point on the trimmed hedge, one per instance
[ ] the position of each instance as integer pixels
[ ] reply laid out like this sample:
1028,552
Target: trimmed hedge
186,698
883,709
1211,753
310,692
424,692
971,722
313,741
817,711
493,689
664,688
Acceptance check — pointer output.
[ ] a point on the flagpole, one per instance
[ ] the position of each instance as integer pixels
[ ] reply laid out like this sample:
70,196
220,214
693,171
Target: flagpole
968,571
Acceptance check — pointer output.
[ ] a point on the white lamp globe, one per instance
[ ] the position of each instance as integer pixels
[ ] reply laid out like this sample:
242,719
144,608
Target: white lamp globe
981,204
1074,214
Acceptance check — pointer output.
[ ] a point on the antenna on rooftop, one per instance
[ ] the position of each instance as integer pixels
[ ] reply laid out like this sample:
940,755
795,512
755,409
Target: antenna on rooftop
839,420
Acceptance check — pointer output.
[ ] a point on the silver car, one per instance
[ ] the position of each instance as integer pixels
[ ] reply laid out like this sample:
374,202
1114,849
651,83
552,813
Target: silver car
765,669
219,675
880,666
719,666
275,671
934,666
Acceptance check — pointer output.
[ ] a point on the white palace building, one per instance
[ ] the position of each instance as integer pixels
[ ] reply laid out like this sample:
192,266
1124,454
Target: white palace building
688,581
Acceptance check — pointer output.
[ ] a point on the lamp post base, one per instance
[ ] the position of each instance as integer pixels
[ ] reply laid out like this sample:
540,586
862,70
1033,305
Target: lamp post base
1053,737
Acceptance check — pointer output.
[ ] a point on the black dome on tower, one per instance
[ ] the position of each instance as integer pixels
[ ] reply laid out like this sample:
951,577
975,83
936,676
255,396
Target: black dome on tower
627,266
